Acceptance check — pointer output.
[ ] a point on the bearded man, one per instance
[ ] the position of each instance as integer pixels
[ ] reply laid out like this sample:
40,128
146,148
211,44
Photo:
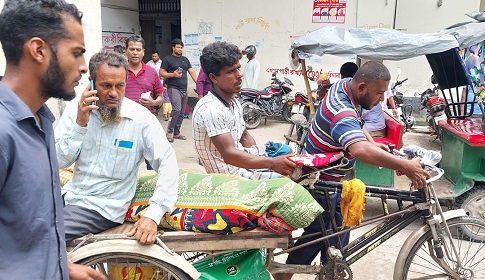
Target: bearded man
107,136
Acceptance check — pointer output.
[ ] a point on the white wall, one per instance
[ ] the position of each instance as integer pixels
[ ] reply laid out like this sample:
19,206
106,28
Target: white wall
272,28
119,21
92,35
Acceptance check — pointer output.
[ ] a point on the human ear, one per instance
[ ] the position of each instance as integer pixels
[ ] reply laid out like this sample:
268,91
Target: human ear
37,49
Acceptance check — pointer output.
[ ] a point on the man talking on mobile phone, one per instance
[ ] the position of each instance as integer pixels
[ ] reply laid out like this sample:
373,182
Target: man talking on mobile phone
174,70
108,142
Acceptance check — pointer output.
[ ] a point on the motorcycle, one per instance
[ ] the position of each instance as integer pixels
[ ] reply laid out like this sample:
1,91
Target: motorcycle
435,107
268,102
299,104
405,111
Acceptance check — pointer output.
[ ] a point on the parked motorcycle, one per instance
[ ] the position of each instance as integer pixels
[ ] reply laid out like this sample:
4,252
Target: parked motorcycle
405,111
300,104
268,102
435,107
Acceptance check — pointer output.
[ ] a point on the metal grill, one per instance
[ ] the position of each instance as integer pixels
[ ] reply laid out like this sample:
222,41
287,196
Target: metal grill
158,6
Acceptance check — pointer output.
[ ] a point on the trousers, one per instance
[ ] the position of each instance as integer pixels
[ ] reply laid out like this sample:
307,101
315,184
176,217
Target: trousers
178,98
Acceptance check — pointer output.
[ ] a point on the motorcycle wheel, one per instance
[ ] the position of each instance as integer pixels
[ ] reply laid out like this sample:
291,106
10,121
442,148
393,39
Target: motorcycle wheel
251,116
286,112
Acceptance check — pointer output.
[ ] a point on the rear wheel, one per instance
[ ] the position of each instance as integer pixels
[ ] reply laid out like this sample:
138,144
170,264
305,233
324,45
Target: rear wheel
132,266
286,112
473,202
467,235
251,116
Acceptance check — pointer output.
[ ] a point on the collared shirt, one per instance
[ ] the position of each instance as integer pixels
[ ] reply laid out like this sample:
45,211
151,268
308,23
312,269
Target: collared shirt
32,242
212,117
155,65
146,80
336,126
107,158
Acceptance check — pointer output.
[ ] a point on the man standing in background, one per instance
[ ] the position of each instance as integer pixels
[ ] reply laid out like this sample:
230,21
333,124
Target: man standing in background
252,69
174,70
155,63
143,85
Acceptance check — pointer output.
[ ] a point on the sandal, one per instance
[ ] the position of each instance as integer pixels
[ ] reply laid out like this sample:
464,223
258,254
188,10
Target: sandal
180,137
170,137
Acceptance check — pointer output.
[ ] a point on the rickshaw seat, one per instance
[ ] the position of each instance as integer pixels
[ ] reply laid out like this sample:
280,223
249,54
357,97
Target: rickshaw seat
469,129
394,131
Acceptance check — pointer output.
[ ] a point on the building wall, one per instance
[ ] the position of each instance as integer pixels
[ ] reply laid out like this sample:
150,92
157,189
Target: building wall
272,28
92,35
120,20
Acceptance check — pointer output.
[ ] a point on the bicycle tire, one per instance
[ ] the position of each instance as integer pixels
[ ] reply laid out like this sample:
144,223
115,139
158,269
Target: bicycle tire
110,263
419,263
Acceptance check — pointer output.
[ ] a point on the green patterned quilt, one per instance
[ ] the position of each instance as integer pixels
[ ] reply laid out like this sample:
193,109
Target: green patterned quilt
281,197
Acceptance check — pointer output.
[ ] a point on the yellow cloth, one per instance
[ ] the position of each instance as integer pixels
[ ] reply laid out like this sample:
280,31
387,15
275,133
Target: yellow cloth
353,202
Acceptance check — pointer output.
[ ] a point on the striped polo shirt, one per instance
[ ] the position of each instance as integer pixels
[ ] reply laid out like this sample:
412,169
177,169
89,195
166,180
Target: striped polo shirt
147,80
336,126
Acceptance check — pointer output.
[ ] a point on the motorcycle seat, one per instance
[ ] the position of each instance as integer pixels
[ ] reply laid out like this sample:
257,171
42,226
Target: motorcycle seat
254,91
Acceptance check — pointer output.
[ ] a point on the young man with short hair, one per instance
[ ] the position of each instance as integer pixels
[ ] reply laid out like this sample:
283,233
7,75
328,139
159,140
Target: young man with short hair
174,70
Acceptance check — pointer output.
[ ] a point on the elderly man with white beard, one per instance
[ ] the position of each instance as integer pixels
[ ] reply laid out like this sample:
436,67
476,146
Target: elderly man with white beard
107,137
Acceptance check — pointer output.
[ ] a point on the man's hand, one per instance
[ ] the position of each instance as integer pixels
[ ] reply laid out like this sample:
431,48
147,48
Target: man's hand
177,74
84,107
147,101
81,272
145,231
382,146
415,172
282,165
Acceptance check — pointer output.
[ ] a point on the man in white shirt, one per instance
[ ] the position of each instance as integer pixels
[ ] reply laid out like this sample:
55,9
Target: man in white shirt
252,69
221,139
108,140
156,62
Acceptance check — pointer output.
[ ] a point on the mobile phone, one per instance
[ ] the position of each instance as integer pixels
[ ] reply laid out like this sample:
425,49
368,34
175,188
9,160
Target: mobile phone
180,69
91,85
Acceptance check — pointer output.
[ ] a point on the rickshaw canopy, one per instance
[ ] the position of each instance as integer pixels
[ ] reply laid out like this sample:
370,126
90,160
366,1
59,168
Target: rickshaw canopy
386,44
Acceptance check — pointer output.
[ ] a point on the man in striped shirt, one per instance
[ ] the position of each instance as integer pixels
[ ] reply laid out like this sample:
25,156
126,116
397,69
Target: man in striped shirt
338,126
142,79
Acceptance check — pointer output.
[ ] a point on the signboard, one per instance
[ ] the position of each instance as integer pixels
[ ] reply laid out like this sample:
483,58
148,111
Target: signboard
112,39
329,11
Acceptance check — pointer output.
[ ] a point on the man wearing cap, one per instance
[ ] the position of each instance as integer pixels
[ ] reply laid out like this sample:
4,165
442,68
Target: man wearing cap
252,69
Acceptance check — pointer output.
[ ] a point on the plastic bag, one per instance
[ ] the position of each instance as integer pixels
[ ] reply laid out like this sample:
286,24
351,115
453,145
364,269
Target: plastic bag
429,157
237,265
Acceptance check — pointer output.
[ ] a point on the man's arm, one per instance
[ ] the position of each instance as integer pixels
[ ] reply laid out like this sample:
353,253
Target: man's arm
72,127
225,145
164,74
372,155
192,74
247,139
371,140
158,151
199,84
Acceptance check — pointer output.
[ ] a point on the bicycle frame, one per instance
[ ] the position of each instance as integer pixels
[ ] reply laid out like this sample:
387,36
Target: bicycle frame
389,226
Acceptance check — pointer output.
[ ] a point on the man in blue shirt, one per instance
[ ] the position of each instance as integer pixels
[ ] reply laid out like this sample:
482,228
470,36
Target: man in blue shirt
43,42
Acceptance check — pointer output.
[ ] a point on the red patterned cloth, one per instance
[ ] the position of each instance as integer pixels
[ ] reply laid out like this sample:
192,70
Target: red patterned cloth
272,223
316,160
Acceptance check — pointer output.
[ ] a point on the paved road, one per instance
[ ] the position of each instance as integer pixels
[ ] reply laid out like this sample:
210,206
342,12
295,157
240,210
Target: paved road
378,264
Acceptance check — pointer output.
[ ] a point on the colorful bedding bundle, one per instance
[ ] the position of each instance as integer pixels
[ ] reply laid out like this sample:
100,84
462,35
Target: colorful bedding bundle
222,204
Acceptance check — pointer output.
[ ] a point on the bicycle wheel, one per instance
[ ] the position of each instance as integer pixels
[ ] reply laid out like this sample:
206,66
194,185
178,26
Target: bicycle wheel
131,266
467,235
